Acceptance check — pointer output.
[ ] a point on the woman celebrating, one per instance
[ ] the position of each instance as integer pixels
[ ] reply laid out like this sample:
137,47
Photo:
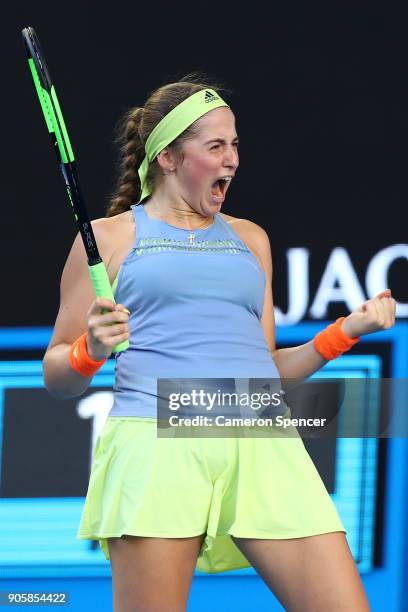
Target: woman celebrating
194,298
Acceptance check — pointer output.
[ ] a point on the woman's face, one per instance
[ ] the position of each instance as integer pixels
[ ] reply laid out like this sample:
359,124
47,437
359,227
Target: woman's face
209,156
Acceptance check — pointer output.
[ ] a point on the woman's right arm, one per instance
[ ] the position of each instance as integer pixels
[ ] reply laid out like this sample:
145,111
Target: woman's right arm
80,312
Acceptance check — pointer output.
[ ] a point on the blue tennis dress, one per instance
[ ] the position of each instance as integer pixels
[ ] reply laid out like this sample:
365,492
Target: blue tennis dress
196,300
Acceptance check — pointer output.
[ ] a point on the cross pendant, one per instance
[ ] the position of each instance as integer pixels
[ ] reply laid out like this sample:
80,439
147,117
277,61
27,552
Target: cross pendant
191,238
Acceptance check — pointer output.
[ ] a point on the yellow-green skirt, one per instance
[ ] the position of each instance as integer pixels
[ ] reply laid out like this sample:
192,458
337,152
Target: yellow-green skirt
252,487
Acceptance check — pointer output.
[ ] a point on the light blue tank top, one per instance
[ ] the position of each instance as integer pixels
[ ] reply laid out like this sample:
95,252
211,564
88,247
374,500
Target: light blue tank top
195,301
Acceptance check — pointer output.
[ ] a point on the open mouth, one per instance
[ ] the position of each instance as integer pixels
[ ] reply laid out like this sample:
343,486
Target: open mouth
219,187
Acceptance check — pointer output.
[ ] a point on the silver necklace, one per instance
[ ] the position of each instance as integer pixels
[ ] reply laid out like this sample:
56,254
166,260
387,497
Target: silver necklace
192,233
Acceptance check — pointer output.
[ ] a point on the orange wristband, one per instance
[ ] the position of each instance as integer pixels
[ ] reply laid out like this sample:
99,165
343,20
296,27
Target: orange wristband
80,360
332,341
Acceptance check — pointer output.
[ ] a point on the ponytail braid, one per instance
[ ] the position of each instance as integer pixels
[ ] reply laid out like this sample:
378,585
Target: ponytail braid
131,156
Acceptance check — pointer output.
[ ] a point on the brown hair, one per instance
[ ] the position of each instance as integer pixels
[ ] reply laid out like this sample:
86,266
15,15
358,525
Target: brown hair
134,129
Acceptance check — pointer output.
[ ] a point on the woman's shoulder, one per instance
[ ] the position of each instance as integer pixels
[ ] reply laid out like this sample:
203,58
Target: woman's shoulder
254,236
114,231
246,228
115,238
110,224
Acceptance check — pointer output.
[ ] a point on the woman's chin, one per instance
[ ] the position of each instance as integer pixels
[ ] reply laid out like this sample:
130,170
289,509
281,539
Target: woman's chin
215,203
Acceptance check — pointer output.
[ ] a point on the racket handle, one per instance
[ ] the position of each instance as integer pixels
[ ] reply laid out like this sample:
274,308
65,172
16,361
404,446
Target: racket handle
102,286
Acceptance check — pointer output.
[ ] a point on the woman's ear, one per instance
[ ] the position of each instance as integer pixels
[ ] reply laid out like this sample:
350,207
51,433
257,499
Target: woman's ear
166,160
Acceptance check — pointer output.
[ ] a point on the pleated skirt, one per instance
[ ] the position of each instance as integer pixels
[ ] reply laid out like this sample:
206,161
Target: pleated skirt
253,487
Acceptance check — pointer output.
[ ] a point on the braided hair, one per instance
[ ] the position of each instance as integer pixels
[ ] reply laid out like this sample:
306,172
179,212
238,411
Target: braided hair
134,129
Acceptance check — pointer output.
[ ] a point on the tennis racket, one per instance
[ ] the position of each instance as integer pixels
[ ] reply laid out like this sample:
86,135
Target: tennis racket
62,146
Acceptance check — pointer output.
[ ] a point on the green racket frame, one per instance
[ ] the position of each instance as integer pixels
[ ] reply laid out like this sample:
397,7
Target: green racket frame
62,146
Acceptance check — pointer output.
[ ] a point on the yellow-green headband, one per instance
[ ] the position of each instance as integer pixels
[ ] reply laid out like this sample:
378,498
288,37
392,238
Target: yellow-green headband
173,124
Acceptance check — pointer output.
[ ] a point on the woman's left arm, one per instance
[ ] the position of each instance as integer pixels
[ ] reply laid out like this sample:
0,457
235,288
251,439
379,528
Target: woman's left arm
299,362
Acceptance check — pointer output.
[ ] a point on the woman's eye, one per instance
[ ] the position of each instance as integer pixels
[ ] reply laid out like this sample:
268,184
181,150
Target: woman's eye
217,146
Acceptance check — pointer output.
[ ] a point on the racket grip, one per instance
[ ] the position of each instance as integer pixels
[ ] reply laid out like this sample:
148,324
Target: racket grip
102,286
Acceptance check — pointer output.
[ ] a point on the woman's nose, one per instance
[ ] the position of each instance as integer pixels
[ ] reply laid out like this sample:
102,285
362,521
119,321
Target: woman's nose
231,157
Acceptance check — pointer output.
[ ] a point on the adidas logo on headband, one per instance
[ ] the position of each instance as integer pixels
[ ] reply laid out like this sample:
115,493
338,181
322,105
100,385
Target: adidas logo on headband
209,97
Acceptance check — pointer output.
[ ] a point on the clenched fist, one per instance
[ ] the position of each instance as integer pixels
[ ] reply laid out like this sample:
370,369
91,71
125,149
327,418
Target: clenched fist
373,315
106,329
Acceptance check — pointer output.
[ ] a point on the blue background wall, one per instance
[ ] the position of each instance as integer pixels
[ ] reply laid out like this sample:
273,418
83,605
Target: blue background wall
243,589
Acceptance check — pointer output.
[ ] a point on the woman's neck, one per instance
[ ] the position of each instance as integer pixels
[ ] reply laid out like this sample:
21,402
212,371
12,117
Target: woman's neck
177,214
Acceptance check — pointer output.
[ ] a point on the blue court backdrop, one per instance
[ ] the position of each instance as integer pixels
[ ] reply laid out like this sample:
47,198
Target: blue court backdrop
39,551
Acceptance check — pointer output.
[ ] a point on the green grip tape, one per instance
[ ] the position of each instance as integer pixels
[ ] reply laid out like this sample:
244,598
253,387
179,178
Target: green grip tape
100,281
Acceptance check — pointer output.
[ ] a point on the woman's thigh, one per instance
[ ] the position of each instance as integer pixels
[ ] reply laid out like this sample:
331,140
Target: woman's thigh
151,574
310,574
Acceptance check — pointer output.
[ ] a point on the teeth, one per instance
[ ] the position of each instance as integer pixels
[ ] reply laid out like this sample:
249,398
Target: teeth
227,179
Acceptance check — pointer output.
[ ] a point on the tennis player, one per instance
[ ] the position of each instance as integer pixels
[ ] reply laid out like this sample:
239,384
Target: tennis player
193,295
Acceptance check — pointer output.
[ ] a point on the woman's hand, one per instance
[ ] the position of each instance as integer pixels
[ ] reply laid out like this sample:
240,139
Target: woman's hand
375,314
105,331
